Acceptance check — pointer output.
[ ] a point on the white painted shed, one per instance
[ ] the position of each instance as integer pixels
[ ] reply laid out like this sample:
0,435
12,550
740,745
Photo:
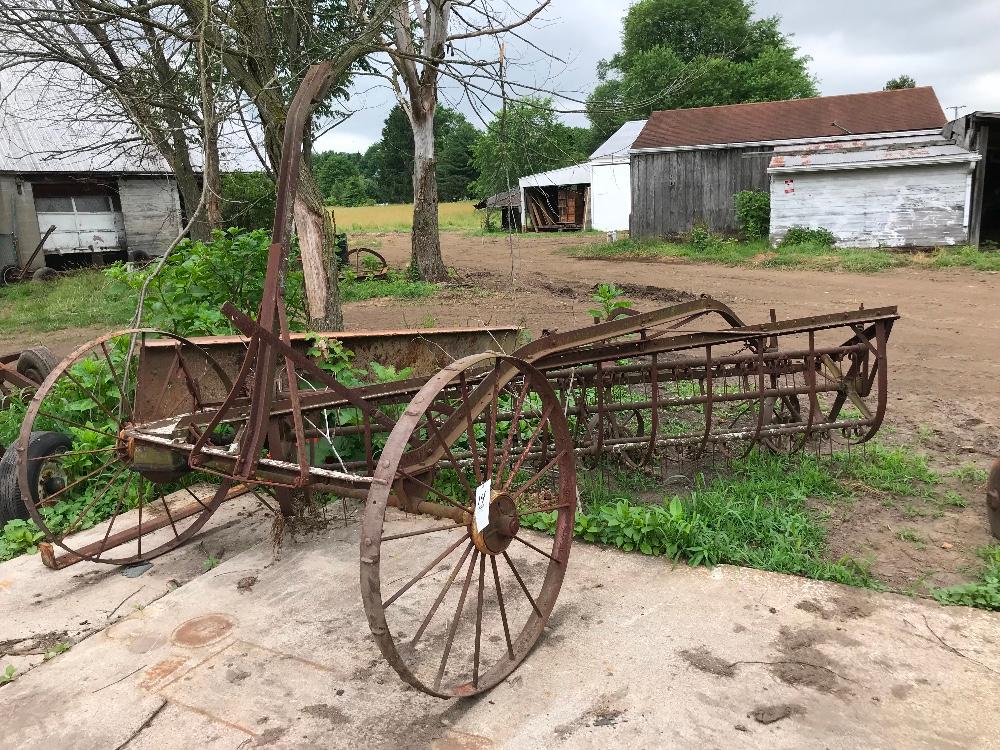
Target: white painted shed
603,182
611,179
891,192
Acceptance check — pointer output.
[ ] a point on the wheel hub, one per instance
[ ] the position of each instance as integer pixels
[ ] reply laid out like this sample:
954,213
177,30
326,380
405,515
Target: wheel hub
503,525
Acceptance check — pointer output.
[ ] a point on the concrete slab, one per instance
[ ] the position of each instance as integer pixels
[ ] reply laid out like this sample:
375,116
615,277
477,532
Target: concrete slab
638,653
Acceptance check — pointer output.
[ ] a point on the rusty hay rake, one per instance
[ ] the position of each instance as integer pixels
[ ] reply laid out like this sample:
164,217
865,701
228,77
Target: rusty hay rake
447,466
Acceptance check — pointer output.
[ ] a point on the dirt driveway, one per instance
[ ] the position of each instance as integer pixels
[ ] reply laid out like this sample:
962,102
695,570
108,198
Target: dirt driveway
944,367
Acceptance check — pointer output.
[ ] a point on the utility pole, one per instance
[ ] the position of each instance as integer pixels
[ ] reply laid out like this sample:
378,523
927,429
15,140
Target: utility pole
955,110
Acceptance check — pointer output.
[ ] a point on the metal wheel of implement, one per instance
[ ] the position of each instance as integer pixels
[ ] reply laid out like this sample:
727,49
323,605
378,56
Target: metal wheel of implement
112,505
993,499
366,263
482,451
9,275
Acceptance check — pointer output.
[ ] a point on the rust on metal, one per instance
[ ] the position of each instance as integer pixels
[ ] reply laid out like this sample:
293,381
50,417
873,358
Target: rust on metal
203,631
461,459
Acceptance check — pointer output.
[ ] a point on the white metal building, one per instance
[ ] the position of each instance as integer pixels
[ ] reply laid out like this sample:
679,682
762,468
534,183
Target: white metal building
889,192
595,194
67,174
611,179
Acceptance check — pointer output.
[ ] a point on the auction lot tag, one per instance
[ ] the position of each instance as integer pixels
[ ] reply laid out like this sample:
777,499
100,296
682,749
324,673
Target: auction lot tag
482,515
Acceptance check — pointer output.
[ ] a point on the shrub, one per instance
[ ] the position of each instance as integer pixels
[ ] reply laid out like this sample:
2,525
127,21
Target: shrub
248,200
753,213
700,238
807,236
199,277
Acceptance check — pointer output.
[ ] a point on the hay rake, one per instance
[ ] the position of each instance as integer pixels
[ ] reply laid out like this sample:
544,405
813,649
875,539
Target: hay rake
448,465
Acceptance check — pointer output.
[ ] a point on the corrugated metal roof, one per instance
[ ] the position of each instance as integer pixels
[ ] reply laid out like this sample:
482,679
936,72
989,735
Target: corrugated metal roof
619,143
507,199
578,174
820,117
868,154
34,137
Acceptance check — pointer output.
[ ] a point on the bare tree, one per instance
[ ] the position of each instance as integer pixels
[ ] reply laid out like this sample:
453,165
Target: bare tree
143,70
420,42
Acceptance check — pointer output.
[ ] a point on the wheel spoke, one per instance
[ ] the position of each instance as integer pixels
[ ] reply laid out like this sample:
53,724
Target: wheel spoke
454,623
521,582
512,428
49,500
543,509
479,621
114,376
470,430
541,472
529,545
527,448
422,573
449,500
71,423
170,516
503,612
114,517
491,424
93,397
440,597
139,538
72,453
422,531
451,456
97,498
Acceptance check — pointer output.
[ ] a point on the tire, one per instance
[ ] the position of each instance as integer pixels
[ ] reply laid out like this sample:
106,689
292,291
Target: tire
138,256
9,275
40,445
44,274
36,363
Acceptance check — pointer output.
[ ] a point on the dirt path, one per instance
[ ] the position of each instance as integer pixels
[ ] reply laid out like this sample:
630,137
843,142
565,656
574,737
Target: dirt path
944,368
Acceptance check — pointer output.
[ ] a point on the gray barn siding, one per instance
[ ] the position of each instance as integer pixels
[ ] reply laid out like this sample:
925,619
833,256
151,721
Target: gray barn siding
674,190
919,206
152,213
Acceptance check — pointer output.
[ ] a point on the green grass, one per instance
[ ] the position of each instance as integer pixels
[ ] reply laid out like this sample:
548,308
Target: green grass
984,593
398,217
77,300
759,254
761,512
89,299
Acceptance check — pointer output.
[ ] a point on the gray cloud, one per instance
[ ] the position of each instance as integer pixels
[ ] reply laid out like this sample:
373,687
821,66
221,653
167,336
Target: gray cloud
855,45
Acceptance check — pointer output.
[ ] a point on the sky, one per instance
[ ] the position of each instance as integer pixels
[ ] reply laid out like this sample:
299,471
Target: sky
855,46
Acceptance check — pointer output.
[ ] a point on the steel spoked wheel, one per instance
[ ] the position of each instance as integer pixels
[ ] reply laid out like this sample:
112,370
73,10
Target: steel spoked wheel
456,588
104,496
366,263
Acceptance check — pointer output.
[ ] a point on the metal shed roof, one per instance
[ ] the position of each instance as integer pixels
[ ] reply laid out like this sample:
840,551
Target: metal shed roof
36,136
773,122
618,145
865,154
578,174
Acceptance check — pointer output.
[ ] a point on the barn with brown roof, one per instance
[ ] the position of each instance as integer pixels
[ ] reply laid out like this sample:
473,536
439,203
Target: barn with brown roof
687,164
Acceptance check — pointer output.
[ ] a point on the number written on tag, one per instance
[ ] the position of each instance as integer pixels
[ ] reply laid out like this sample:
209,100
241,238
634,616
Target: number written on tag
482,514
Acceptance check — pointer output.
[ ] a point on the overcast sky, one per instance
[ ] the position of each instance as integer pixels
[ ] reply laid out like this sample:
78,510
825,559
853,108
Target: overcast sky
855,46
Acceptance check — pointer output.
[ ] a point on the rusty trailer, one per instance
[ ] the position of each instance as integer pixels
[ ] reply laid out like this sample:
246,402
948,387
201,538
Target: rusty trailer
473,449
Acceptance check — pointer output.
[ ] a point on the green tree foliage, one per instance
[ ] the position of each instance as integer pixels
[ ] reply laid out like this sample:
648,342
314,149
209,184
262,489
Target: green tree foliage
456,168
340,180
900,82
695,53
248,200
528,138
389,163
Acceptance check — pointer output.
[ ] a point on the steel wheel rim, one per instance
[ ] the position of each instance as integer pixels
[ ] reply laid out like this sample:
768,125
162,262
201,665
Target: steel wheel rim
522,637
116,463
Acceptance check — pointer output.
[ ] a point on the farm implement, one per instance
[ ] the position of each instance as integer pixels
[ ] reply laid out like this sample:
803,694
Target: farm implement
447,465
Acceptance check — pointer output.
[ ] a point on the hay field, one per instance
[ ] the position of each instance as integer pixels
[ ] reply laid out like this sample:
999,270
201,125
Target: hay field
399,217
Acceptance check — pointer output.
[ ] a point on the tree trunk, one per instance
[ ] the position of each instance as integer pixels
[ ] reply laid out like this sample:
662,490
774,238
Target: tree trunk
190,193
425,258
318,247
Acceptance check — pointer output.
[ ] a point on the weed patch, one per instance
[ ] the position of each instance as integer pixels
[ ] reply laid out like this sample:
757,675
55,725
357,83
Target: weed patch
79,299
984,593
807,252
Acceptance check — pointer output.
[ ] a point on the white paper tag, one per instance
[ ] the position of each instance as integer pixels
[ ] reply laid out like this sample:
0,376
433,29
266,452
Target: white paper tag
482,515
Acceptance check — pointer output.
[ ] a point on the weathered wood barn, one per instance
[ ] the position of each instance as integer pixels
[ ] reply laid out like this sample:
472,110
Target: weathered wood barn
980,132
687,164
910,191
